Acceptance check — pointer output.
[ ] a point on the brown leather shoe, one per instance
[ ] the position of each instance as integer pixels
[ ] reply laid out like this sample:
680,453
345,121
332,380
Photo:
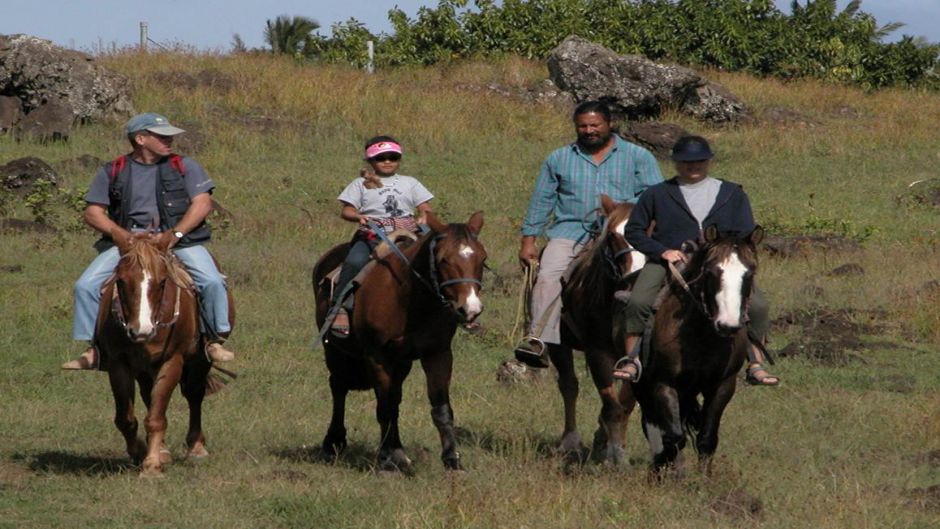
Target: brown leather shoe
87,361
217,353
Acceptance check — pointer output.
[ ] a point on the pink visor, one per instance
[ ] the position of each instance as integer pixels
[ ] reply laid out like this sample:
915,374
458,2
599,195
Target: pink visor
382,147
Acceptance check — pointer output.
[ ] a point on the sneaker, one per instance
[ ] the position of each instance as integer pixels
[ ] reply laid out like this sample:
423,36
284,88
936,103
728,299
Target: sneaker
217,353
87,361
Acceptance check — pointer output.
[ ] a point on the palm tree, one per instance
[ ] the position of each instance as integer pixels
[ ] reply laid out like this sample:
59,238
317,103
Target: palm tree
290,35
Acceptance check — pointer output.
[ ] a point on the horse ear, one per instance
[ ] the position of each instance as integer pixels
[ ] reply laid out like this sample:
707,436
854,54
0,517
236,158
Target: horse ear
162,241
607,204
124,243
476,222
711,233
435,224
756,236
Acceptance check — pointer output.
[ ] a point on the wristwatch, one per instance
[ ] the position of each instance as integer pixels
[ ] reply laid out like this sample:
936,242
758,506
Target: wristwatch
178,234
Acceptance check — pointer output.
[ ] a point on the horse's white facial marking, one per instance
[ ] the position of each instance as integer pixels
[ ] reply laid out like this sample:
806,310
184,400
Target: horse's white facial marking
654,436
144,325
728,298
620,228
465,251
474,305
638,262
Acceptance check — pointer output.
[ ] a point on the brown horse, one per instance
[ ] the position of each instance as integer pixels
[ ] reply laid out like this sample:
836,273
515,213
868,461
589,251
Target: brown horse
604,267
148,331
699,342
406,308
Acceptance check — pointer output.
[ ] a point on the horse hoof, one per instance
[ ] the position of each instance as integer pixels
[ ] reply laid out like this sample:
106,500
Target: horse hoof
198,452
152,473
165,456
453,464
570,444
396,462
615,455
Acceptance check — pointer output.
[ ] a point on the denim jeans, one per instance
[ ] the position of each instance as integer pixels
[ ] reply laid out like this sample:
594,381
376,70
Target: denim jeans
358,257
210,284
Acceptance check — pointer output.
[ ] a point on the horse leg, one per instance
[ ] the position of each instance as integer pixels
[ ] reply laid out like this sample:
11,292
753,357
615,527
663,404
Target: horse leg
563,360
167,378
612,420
392,455
663,428
438,369
706,442
193,386
122,387
335,440
145,382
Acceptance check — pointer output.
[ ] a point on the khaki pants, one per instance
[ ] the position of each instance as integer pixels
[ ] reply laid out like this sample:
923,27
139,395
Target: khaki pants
555,259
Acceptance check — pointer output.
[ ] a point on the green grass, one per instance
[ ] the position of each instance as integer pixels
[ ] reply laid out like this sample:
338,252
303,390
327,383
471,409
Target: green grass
833,447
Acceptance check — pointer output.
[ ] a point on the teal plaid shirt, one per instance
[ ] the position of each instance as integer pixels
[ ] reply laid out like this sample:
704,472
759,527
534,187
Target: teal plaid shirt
569,187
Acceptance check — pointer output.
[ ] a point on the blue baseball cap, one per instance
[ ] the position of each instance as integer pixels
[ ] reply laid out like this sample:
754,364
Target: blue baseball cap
152,123
692,149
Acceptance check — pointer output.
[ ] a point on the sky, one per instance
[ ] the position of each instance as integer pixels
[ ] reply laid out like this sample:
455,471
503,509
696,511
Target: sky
211,24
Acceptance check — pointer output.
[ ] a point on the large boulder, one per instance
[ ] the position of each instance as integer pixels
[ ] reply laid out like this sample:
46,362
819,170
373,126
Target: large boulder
51,121
21,174
36,71
656,136
636,87
11,111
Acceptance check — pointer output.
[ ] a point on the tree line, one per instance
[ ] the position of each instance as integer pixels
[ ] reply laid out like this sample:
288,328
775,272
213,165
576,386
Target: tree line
816,39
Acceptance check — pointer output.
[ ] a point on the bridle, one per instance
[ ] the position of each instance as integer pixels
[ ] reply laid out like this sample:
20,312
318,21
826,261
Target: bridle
117,308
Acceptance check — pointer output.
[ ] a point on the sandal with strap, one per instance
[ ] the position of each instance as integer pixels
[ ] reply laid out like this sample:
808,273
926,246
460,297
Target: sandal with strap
622,371
340,330
531,352
757,375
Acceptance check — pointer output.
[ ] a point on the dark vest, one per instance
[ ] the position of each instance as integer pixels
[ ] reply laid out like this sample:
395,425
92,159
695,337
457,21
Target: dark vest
172,199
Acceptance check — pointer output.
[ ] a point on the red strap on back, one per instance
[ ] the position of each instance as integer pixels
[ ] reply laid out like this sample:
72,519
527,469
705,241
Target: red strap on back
117,165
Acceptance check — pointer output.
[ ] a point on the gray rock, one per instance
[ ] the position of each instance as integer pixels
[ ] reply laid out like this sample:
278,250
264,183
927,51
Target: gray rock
638,88
11,112
20,174
37,71
52,121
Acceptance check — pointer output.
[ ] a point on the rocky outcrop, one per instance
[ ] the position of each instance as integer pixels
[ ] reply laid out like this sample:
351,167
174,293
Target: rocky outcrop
61,83
637,88
21,174
656,136
11,112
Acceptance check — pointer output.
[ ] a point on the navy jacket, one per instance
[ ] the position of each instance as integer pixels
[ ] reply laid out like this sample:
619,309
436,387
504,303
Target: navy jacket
675,224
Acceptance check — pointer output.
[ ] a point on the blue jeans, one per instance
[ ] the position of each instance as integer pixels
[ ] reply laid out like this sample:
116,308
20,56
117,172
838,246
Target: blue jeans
356,259
210,284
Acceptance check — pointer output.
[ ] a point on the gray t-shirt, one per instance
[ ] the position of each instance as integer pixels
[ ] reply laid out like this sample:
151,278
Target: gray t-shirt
700,197
142,208
399,196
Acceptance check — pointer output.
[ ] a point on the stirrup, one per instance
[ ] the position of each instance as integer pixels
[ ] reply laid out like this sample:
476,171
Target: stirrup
531,352
623,362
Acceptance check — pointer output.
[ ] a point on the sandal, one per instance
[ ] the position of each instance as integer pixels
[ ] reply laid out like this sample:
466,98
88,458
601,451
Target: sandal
83,362
531,352
623,372
757,375
340,330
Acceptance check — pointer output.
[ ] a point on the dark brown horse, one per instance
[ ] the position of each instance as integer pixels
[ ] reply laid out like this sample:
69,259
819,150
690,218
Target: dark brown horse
148,331
699,342
406,308
603,268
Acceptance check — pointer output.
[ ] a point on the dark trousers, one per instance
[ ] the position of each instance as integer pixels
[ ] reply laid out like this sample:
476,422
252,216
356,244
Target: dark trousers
358,257
639,309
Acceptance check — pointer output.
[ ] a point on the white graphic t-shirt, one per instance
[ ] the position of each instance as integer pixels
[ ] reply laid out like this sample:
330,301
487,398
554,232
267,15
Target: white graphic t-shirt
399,196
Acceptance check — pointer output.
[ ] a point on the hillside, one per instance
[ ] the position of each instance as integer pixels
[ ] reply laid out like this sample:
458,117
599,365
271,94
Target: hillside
850,439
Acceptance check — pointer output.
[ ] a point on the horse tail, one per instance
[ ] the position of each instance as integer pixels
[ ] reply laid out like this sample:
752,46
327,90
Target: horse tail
691,413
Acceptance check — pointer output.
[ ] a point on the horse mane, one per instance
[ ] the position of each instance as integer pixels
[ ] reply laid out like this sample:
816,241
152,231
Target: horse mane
145,255
455,233
587,270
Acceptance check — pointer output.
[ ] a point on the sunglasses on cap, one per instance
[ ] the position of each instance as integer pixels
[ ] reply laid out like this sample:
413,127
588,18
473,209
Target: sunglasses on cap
386,157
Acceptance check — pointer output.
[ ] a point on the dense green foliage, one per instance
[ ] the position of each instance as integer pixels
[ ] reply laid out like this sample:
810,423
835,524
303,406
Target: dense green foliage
290,35
815,40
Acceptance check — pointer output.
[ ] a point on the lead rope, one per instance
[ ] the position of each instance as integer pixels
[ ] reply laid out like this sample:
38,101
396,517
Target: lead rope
523,307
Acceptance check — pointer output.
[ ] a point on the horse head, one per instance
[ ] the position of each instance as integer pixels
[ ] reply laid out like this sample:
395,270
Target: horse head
141,278
724,269
457,260
623,258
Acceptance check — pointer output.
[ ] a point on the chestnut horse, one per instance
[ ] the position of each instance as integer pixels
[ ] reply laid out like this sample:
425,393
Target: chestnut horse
148,331
406,308
605,266
698,345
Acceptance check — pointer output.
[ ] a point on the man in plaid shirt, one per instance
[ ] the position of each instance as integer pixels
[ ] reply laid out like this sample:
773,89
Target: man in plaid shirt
566,193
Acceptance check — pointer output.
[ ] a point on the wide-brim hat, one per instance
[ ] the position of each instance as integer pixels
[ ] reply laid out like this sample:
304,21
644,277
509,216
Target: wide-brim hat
151,122
691,149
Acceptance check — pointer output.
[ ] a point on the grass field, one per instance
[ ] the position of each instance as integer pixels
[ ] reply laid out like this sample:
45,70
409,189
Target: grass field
851,438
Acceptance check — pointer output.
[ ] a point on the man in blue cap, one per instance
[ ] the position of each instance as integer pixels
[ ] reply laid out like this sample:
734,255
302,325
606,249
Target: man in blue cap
680,209
151,190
